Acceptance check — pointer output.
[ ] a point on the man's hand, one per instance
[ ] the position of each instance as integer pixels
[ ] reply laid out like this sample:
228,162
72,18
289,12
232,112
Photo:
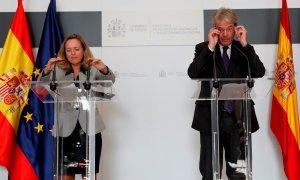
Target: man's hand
241,35
213,37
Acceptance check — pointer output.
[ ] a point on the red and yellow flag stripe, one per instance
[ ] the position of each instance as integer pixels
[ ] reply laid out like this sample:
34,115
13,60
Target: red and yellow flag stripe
284,116
17,64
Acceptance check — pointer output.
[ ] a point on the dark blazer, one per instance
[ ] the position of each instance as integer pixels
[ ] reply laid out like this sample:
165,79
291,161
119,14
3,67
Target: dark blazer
202,67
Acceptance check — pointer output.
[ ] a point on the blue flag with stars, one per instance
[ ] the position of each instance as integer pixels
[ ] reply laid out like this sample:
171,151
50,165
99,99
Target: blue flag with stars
35,129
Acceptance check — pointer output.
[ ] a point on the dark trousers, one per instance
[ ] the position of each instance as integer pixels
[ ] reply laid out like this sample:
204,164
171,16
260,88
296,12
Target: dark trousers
74,151
229,141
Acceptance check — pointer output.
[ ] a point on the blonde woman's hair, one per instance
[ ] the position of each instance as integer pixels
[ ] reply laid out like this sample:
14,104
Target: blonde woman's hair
66,66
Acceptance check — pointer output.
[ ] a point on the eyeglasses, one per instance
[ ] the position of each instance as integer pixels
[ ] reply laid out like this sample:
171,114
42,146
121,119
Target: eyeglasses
228,29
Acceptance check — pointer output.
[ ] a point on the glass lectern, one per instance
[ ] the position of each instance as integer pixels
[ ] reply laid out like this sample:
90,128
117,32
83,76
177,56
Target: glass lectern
240,93
74,99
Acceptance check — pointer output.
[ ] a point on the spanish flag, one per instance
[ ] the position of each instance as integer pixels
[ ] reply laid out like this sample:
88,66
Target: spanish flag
17,64
284,115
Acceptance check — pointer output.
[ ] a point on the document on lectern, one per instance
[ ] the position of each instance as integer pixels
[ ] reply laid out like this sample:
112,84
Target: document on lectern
233,91
69,92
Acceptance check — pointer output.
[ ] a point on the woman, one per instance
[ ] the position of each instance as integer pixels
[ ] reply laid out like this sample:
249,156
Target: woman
73,62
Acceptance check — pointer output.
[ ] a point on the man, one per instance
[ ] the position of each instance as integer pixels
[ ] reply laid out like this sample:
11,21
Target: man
223,33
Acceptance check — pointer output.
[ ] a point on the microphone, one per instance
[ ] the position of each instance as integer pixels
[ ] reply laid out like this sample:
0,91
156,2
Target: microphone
53,84
215,80
87,83
250,82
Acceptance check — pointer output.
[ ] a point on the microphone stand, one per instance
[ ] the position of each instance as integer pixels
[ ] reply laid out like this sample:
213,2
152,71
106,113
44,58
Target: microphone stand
215,80
250,82
53,84
215,123
87,83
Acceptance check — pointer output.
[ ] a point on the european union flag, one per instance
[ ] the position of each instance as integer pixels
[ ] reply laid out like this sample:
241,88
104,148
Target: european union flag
34,135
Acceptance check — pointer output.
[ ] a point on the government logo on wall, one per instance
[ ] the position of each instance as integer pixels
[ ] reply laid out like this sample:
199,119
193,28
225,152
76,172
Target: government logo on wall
116,29
135,28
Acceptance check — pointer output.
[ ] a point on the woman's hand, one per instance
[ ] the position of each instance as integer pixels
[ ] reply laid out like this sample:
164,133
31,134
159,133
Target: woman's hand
98,63
51,64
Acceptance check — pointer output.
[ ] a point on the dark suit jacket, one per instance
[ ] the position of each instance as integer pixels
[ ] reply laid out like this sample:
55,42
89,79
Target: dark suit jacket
202,67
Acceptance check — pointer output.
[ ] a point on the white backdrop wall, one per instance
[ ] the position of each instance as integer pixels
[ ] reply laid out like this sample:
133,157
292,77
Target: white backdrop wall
148,135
